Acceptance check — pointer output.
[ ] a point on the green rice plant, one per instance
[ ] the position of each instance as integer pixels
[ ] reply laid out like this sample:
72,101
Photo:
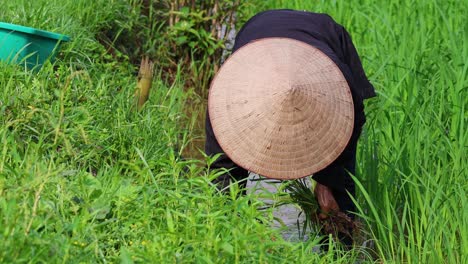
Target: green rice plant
412,156
112,187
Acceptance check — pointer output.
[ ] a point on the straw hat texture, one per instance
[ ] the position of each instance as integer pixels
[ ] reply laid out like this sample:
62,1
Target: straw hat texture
281,108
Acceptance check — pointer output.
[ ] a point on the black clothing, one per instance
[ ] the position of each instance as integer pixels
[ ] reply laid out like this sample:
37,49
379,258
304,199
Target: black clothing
322,32
318,30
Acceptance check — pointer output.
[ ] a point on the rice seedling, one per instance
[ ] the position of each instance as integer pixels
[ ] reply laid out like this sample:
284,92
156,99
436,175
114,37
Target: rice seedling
145,79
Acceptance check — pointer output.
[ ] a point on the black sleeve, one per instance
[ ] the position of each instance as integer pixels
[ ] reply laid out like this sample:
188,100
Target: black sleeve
351,58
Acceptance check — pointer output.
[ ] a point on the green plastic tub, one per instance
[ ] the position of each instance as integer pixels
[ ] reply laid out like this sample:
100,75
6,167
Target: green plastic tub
30,46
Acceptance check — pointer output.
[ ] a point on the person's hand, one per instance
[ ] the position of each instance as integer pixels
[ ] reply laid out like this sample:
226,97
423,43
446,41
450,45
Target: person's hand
327,202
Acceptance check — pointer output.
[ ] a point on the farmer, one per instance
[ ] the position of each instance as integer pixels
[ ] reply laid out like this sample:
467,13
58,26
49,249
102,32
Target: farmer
288,103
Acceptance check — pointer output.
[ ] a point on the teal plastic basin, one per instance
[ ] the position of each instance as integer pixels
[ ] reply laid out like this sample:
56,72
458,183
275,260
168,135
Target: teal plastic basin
30,46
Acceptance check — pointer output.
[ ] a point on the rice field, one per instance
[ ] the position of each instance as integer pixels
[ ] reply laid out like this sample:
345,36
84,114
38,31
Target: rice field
86,179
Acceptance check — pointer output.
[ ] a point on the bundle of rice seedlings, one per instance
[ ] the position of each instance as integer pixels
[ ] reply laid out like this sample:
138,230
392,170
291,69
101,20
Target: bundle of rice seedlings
145,78
335,223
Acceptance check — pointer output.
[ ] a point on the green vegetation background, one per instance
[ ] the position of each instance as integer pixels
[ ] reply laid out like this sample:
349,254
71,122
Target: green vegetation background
84,179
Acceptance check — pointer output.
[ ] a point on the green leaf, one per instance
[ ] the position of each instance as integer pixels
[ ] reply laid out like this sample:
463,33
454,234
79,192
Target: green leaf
125,257
181,40
185,10
228,248
170,221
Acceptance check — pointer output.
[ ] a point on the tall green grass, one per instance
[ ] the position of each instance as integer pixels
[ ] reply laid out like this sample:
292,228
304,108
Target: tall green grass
85,179
412,165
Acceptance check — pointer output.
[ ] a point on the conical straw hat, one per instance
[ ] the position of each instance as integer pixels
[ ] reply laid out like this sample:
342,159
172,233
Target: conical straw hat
281,108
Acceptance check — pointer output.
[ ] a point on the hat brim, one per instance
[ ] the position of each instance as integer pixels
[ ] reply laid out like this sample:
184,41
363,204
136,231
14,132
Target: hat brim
281,108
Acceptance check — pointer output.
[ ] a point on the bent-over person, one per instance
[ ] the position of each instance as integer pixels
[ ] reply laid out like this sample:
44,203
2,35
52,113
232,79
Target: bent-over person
288,103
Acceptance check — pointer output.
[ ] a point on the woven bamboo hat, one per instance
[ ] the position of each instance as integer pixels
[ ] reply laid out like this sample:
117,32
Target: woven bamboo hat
281,108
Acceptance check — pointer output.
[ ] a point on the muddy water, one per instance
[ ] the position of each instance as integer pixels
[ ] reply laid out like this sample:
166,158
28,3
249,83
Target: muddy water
289,216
